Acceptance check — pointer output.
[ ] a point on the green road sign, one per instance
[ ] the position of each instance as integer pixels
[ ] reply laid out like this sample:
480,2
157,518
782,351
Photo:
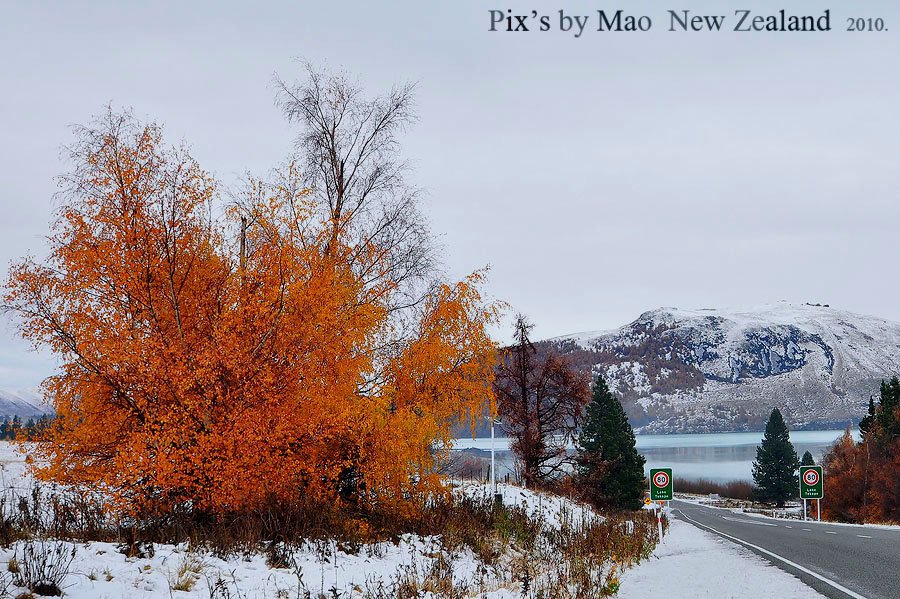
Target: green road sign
811,482
661,487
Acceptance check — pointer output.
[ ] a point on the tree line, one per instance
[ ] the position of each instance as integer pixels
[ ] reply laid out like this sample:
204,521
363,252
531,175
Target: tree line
13,429
861,477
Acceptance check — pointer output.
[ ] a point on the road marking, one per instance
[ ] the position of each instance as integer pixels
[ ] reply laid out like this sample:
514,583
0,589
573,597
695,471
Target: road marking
827,581
807,530
786,526
864,536
828,532
748,521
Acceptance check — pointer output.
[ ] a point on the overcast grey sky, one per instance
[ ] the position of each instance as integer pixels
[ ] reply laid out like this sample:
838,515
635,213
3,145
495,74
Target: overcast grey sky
599,177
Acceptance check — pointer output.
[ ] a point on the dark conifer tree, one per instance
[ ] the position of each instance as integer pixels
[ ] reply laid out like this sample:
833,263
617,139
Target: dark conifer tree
610,470
42,424
885,415
775,468
807,460
865,425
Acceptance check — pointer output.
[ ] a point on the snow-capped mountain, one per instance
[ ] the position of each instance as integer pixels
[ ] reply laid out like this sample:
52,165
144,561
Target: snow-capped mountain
713,370
24,404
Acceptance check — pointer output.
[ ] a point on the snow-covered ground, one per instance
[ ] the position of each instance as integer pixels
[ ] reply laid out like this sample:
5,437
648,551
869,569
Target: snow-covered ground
689,563
554,508
693,564
101,571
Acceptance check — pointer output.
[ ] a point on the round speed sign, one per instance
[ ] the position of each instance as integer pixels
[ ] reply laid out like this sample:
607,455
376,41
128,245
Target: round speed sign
661,480
811,477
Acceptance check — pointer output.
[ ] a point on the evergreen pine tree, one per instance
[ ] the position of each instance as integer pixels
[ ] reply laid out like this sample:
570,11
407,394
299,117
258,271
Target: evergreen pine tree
865,425
4,429
610,470
775,468
43,424
807,460
885,415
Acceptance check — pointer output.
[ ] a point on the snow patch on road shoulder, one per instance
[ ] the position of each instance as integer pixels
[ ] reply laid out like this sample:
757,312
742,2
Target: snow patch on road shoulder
691,563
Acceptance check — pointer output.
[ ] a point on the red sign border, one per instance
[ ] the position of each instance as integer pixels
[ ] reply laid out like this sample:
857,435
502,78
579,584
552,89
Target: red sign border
668,479
814,471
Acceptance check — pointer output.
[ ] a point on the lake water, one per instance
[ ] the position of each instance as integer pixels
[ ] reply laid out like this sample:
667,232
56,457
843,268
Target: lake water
715,456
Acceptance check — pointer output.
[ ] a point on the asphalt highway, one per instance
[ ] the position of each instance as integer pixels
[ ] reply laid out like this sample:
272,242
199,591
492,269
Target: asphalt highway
838,561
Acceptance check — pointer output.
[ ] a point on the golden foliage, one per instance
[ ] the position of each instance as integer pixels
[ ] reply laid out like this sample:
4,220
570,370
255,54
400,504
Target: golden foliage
194,374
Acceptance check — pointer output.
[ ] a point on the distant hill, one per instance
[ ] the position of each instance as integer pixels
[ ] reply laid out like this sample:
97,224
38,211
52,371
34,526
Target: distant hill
24,404
715,370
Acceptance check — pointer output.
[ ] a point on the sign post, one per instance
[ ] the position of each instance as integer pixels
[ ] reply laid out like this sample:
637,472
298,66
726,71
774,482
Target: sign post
812,486
661,489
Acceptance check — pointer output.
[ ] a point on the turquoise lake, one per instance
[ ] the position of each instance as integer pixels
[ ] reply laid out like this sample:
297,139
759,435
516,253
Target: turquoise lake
715,456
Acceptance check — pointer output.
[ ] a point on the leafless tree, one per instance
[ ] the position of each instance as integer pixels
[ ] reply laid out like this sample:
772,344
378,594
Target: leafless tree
540,398
349,154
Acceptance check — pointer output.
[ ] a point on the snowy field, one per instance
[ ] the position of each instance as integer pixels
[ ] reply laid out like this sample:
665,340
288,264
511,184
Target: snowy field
689,563
100,571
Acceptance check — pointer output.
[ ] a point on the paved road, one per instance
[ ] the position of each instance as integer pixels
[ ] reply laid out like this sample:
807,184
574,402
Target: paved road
837,561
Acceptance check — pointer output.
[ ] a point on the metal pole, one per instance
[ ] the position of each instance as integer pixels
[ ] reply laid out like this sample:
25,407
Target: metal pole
493,472
818,510
804,510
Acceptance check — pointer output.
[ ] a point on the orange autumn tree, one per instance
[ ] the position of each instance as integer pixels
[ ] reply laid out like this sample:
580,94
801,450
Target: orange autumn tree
223,359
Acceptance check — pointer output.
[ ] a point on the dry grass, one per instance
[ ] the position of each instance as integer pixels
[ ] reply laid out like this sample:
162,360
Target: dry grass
187,574
43,565
735,489
580,555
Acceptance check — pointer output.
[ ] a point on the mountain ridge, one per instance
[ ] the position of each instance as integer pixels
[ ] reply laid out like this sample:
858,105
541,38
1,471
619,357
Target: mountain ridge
716,370
24,403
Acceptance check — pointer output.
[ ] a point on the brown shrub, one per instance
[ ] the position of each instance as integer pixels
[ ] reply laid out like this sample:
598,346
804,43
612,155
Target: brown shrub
734,489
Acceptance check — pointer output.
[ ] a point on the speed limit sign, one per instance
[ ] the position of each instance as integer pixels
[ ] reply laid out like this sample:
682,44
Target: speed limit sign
811,483
661,487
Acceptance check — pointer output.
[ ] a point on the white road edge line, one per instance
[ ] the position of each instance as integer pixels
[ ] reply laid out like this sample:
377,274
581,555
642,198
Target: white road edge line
827,581
748,521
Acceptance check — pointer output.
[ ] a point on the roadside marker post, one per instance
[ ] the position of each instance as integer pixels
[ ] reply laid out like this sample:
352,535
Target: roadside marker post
659,521
812,486
661,491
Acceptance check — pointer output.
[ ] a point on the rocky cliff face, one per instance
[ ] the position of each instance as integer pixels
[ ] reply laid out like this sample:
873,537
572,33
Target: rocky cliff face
713,370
